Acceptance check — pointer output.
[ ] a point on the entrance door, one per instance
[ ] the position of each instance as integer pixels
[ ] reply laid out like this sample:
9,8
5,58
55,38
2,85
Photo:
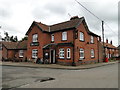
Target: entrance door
52,57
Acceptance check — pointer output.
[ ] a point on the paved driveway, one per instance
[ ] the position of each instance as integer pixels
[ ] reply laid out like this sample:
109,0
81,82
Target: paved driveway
22,77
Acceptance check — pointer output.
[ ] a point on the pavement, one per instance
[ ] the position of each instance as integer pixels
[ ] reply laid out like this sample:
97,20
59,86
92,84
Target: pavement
55,66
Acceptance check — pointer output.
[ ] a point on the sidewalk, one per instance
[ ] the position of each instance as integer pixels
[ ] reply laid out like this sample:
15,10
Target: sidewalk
54,66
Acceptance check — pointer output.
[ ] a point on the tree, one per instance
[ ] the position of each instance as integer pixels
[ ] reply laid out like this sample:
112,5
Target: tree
8,38
25,38
15,39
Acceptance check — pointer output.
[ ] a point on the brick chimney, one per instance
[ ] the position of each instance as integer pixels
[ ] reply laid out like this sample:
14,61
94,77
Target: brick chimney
106,40
111,42
74,17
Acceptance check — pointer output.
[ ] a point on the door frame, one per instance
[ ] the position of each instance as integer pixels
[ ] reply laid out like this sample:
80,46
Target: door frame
54,57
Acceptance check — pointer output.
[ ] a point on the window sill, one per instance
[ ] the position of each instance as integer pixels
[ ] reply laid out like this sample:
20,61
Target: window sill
34,58
63,40
82,40
52,41
81,59
20,56
61,58
68,58
92,57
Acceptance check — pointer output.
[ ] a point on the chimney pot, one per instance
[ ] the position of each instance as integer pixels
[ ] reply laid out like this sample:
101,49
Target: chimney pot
111,42
106,40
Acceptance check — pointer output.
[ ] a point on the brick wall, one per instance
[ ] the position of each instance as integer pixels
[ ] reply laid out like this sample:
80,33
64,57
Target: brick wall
43,39
86,46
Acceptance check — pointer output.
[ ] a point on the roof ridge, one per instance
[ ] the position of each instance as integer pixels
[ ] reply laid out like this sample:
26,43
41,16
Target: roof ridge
65,22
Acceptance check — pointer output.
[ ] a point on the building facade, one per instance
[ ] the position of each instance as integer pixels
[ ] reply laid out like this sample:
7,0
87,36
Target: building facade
69,43
14,50
110,50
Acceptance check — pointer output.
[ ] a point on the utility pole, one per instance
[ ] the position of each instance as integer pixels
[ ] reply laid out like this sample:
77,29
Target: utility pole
103,39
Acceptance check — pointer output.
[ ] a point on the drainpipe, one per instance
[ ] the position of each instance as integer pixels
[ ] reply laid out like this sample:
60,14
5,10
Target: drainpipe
73,63
98,51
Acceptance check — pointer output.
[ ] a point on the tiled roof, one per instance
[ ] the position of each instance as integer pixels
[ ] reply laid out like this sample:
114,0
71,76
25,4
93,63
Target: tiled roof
72,23
66,25
15,45
60,26
109,45
22,45
10,45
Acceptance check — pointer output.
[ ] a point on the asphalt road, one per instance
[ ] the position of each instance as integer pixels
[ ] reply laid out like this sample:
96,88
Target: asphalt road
22,77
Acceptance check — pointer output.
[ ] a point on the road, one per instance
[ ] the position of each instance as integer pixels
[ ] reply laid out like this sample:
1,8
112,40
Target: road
23,77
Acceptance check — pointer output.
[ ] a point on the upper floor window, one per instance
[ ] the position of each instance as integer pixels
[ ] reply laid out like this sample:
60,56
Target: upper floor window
52,37
35,38
68,53
21,53
92,39
64,36
61,53
92,53
34,53
81,36
81,53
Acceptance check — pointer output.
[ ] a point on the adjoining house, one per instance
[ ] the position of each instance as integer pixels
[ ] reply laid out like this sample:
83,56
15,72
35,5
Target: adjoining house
110,50
69,43
14,50
0,51
119,50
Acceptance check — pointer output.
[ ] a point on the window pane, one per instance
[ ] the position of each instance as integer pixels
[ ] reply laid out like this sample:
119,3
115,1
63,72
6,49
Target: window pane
34,53
92,39
64,36
61,53
35,37
81,53
92,52
81,36
52,37
68,53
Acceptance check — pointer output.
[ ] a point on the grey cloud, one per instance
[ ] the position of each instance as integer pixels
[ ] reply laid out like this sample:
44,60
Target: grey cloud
4,13
56,9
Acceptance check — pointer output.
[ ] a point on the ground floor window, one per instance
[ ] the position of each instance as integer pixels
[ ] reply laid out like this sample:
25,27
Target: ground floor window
61,53
34,53
68,53
21,53
81,53
92,53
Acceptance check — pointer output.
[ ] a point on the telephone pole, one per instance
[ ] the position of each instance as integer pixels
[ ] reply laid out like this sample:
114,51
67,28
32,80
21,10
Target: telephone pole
103,39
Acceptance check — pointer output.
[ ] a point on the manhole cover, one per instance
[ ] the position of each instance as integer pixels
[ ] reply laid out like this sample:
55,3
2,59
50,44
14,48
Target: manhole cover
45,79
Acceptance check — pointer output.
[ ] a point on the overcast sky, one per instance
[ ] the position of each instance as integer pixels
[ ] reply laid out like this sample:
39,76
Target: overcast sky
16,16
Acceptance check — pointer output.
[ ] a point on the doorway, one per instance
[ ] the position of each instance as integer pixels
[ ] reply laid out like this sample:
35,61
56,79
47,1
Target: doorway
52,57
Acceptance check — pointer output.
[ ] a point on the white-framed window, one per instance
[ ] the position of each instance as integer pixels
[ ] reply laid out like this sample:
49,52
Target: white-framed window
68,53
21,53
81,53
92,53
35,38
81,36
52,37
92,39
64,35
34,53
61,53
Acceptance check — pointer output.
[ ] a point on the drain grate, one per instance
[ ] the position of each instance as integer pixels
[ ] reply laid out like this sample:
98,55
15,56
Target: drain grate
44,80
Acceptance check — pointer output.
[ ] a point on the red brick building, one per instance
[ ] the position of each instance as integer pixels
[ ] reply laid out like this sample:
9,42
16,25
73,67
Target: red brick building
14,50
110,50
69,43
